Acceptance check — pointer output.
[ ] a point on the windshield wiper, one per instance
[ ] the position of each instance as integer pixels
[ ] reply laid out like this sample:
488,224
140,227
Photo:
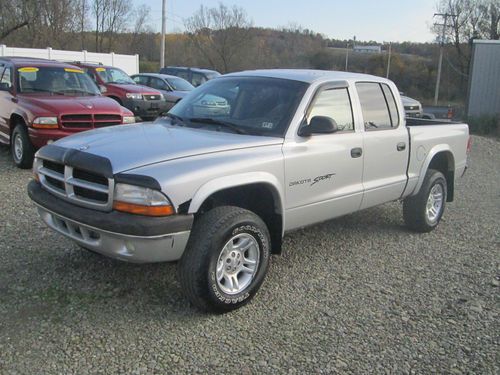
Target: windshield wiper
178,120
213,121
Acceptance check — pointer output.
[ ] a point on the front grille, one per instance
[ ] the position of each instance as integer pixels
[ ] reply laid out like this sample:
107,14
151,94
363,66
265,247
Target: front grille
90,121
79,186
151,97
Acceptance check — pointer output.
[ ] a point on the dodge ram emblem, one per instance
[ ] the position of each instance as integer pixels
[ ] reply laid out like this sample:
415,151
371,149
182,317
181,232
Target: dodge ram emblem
83,148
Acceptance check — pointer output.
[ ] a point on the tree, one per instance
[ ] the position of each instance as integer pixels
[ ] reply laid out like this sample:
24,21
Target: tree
111,17
15,14
219,34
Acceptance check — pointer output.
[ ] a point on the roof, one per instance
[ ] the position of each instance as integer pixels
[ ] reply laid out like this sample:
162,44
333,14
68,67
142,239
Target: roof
158,75
19,61
202,70
308,75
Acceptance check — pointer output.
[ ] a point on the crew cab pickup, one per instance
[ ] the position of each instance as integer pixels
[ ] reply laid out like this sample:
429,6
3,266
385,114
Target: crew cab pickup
145,102
218,192
44,100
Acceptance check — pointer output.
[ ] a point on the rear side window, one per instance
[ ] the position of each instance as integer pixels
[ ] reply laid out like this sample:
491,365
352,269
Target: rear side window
336,104
141,80
375,107
198,79
391,102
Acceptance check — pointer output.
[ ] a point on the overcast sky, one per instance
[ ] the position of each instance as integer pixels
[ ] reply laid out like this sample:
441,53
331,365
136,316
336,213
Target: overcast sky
380,20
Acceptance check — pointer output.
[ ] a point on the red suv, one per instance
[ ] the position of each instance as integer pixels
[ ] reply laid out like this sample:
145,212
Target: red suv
145,102
44,100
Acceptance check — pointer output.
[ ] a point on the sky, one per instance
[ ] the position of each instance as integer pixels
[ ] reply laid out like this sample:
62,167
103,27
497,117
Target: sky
379,20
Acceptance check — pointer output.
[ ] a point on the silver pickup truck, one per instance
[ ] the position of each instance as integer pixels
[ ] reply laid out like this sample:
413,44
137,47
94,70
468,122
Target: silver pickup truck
217,190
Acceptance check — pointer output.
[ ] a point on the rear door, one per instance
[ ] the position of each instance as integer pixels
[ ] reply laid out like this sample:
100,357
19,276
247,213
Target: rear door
323,172
385,144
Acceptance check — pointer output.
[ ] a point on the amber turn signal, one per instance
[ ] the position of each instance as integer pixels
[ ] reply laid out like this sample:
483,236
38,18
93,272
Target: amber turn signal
138,209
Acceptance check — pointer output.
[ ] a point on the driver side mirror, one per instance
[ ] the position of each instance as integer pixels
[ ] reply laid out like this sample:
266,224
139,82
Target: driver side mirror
319,125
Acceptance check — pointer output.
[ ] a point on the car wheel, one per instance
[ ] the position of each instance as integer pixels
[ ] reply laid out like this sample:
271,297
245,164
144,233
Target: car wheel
422,212
21,148
226,259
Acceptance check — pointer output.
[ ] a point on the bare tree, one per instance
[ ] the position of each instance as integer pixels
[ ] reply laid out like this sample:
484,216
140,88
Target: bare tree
15,14
219,34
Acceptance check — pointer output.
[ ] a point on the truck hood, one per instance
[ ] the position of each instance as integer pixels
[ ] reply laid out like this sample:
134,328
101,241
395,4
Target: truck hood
59,105
132,146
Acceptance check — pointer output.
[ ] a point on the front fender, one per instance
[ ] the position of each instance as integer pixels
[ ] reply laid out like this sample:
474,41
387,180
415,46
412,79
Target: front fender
236,180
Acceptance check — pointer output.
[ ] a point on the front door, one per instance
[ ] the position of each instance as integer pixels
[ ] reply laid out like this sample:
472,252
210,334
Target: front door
323,172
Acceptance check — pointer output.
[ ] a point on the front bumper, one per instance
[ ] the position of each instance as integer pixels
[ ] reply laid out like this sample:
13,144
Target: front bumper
40,137
123,236
146,108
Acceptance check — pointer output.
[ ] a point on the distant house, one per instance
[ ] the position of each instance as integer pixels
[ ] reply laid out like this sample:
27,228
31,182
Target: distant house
483,97
368,49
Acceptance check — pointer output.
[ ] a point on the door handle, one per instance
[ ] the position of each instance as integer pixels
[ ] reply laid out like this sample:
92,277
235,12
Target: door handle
401,146
356,152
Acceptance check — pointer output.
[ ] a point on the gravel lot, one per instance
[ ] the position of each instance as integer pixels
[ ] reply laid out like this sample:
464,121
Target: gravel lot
359,294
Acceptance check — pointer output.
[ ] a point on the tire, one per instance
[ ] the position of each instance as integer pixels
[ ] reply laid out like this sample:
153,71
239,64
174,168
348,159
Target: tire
211,259
21,148
422,212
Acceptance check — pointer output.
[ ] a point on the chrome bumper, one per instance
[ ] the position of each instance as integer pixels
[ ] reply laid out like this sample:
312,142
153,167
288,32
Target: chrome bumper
135,249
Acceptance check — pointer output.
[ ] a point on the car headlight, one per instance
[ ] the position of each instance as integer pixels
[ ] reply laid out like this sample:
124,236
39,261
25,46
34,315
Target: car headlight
45,122
141,201
133,95
128,119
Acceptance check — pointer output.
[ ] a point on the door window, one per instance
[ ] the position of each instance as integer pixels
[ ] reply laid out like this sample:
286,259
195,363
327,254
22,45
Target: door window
198,79
336,104
158,84
374,106
6,81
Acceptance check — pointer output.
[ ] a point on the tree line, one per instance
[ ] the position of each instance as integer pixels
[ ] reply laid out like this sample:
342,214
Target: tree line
224,38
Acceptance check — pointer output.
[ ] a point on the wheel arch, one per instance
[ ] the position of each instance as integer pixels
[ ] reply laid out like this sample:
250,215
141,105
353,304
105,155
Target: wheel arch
441,159
16,118
240,190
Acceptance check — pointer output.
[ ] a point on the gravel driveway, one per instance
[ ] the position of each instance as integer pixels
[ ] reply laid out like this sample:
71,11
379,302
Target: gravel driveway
359,294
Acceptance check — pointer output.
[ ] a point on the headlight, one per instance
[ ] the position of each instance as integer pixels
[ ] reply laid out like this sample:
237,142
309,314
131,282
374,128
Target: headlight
132,95
45,123
141,201
128,119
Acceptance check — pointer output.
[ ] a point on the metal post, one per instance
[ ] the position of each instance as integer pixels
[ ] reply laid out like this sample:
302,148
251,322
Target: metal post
389,62
346,56
163,31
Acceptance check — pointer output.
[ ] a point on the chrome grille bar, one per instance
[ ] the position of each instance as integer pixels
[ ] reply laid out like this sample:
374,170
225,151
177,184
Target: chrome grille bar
75,188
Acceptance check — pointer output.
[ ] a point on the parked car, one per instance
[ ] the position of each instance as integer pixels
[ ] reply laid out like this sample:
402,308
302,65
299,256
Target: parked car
219,193
42,101
145,102
412,107
195,76
173,88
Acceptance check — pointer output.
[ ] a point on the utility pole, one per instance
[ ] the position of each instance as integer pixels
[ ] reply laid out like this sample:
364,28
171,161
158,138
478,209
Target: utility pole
388,62
346,56
163,31
441,42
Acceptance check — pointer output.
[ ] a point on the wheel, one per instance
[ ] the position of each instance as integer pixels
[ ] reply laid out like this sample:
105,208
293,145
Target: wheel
422,212
226,259
21,148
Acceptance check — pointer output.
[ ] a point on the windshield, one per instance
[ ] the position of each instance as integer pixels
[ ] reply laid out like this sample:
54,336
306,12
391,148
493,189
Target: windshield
114,75
256,105
180,84
55,80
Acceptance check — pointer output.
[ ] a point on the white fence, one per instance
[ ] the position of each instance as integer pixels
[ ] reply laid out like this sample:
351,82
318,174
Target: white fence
128,63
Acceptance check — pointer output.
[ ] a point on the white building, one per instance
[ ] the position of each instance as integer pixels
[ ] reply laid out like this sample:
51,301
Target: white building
368,49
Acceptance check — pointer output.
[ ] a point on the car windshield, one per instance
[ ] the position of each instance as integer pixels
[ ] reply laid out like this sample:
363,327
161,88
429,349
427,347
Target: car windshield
114,75
252,105
55,80
180,84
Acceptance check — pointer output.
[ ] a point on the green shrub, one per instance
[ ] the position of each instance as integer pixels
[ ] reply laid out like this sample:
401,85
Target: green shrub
146,66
